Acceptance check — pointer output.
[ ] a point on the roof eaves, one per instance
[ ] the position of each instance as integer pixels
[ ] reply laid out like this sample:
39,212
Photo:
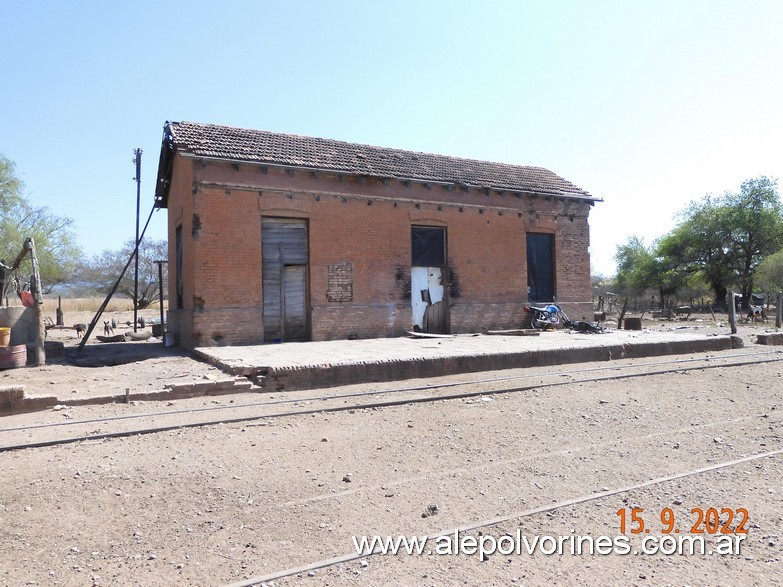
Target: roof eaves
541,192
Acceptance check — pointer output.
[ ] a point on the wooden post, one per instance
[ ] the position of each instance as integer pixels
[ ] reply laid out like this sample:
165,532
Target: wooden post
731,306
622,313
779,311
35,289
60,318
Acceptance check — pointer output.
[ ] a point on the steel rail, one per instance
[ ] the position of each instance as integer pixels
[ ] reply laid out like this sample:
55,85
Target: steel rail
324,398
355,406
507,518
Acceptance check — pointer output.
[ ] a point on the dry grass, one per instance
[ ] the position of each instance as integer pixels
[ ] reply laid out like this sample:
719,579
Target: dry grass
89,304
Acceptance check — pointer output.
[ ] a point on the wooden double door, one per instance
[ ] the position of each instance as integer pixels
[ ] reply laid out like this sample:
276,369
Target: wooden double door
284,245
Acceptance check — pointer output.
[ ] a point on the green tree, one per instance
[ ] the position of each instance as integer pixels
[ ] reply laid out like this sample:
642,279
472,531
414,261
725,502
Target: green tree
756,220
724,239
635,264
104,269
769,275
58,254
699,246
640,268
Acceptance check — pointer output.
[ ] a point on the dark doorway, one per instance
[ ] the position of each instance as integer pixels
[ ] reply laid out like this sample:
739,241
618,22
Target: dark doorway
285,257
540,267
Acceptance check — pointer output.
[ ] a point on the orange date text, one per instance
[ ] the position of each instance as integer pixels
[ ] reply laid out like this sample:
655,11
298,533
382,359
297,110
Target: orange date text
700,521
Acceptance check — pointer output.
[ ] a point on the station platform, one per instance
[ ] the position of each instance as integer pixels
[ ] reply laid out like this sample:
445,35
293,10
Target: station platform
293,366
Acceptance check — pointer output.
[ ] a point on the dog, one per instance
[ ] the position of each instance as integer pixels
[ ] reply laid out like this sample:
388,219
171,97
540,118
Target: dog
107,328
80,329
679,310
756,312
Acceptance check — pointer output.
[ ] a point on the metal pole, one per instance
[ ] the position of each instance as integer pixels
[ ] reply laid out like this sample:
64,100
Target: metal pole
137,161
105,303
779,310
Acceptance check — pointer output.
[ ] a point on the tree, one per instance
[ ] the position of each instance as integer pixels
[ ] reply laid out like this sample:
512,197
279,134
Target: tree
634,265
756,219
699,245
640,268
104,269
58,254
769,274
725,239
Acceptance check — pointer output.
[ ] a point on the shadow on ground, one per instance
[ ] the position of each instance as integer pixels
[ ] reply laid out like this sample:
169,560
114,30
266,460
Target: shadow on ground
117,353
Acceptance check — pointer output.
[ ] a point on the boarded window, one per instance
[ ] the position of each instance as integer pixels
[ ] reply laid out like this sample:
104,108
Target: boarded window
428,246
540,267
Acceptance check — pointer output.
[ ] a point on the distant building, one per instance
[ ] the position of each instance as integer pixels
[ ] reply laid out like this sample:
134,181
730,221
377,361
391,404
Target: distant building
275,237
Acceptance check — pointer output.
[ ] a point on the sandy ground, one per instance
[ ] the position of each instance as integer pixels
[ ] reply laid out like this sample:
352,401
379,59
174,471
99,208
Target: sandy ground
113,368
107,368
224,503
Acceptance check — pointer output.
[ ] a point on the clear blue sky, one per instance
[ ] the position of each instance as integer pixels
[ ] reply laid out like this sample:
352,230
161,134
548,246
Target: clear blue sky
646,104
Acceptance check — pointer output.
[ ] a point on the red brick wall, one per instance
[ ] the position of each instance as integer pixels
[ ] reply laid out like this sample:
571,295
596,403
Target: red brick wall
180,213
367,223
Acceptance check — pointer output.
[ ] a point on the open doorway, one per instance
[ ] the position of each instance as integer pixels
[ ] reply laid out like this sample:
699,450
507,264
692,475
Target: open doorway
428,279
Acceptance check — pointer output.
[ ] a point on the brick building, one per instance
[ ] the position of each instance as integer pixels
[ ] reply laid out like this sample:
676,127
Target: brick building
276,237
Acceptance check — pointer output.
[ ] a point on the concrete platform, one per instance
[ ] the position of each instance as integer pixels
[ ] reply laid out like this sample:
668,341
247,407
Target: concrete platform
292,366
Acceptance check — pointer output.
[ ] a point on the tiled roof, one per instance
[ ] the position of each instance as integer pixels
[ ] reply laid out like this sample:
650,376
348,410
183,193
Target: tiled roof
238,144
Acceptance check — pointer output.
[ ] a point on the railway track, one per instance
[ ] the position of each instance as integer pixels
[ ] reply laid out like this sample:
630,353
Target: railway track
44,434
489,523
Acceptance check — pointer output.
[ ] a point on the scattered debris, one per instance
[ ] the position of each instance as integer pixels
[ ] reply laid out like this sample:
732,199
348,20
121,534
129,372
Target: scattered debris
515,332
115,338
427,335
431,510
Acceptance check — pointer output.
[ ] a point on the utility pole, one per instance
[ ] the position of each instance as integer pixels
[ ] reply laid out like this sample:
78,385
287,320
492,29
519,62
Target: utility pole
137,161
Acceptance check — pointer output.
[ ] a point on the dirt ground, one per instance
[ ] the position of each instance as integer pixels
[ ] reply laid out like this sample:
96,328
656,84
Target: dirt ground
112,368
220,504
107,368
